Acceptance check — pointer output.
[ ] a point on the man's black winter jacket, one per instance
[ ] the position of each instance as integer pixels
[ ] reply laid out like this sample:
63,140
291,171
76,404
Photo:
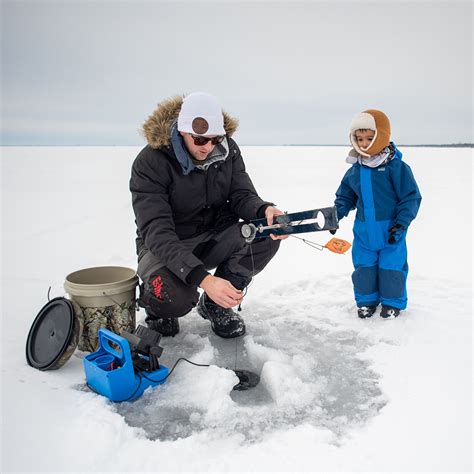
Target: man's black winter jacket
170,206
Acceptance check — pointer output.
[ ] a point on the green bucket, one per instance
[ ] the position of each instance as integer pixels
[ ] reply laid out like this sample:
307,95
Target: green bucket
106,297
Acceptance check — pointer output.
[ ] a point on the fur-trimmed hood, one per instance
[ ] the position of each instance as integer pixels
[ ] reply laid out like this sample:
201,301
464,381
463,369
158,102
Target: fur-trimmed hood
157,128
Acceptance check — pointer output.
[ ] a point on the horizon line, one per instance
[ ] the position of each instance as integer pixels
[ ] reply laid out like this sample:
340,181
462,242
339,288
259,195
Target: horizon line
446,145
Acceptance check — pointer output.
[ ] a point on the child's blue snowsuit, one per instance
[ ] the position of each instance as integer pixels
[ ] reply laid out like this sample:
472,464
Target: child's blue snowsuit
384,196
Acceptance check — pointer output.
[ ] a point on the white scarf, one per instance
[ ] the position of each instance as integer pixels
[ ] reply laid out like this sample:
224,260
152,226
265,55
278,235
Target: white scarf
371,161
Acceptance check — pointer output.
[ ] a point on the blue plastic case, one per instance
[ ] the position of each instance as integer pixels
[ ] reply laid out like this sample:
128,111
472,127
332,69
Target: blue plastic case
110,372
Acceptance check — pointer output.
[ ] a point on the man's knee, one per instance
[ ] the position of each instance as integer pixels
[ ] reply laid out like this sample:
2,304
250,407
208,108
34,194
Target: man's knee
164,295
274,246
266,248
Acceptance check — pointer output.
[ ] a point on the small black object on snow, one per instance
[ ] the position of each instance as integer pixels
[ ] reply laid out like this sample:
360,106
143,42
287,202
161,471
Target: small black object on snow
247,380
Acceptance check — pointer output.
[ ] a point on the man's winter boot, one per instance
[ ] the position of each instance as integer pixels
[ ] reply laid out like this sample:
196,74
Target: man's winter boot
388,312
165,326
224,322
366,311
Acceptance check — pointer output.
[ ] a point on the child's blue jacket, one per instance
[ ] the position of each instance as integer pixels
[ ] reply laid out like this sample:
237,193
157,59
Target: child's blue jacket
387,194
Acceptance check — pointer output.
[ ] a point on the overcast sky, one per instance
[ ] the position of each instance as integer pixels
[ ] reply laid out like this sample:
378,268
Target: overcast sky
294,72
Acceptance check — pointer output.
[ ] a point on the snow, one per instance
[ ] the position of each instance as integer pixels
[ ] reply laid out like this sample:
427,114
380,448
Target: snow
336,394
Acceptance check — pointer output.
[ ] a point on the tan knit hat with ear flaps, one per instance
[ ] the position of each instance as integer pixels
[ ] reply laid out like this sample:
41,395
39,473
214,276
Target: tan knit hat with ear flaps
371,120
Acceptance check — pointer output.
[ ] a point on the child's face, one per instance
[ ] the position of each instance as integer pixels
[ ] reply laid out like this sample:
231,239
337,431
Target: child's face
364,138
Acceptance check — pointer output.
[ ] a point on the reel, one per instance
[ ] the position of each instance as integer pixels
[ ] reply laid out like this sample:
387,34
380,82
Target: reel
314,220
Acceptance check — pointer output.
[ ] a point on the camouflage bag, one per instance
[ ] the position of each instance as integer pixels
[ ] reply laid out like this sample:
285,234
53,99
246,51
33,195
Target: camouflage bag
117,318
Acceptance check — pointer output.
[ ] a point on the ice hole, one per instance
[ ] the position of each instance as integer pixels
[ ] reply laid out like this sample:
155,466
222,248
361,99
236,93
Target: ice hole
309,374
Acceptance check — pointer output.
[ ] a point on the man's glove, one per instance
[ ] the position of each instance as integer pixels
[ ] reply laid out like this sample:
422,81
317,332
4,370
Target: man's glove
396,232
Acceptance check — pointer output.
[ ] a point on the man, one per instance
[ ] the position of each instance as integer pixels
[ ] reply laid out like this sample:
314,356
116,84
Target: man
189,190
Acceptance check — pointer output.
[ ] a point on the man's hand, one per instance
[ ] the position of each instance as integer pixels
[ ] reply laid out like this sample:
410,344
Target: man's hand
221,291
270,213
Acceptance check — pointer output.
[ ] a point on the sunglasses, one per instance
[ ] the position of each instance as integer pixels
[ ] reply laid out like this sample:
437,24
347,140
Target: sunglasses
200,141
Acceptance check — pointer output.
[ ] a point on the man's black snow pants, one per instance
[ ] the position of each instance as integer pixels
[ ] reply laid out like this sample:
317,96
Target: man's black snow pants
164,295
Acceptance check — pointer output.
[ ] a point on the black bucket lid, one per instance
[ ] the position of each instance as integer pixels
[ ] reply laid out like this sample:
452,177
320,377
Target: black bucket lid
52,335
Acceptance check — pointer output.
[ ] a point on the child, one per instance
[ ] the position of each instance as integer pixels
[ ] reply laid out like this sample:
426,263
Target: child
383,190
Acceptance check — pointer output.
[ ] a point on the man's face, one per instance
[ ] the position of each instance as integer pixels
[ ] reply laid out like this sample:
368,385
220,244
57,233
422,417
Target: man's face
197,152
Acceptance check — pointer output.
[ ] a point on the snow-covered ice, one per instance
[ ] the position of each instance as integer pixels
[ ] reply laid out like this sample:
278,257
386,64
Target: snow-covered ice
336,394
